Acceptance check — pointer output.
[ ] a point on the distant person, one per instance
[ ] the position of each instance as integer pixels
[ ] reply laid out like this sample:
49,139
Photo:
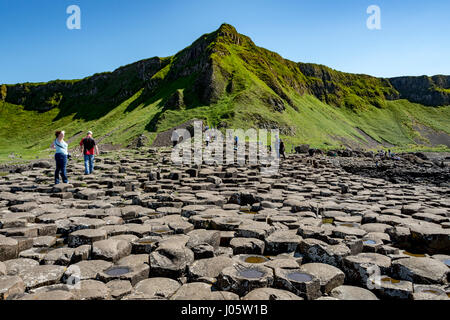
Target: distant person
236,141
89,148
282,149
61,156
175,138
207,137
389,153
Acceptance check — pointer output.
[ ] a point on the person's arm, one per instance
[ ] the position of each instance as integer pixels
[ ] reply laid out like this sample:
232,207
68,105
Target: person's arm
81,147
52,146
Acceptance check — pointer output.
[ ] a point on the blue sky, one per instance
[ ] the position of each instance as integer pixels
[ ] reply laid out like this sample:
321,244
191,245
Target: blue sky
35,44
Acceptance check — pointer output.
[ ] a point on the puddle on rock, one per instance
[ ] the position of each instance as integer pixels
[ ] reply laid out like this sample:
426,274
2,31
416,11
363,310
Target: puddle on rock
369,242
255,259
117,271
447,262
251,273
327,220
387,279
146,241
417,255
347,224
299,277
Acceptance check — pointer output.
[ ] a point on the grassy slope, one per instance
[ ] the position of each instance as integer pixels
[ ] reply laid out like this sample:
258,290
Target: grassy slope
29,133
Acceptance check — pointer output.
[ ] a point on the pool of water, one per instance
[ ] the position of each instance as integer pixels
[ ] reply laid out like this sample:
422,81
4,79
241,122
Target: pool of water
447,262
387,279
251,273
417,255
255,259
369,242
117,271
327,220
146,241
299,277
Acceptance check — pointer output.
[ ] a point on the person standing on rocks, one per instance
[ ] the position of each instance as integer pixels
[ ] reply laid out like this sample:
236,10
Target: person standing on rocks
61,156
89,148
282,149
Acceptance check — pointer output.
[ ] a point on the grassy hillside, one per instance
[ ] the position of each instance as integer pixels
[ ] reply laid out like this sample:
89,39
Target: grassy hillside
225,79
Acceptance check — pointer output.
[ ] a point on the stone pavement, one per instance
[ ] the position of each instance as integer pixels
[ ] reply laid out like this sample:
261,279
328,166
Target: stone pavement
142,228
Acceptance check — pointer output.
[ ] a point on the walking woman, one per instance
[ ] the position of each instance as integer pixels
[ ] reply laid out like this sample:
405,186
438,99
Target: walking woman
61,154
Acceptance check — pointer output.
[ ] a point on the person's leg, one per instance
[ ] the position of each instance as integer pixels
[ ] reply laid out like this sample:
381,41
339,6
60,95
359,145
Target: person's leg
86,164
91,164
58,168
63,170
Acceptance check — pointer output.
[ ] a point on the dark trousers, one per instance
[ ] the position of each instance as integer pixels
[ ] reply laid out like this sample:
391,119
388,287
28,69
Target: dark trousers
61,162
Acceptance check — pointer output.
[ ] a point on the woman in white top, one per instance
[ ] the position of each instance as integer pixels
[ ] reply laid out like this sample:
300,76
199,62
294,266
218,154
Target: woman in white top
60,156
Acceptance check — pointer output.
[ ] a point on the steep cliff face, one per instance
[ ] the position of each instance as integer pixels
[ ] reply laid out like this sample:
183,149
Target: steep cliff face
90,97
429,91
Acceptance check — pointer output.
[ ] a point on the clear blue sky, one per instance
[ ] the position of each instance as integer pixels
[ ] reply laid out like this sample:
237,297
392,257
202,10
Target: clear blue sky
35,44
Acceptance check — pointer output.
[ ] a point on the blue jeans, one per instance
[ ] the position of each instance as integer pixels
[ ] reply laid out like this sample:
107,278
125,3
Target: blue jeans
61,162
88,164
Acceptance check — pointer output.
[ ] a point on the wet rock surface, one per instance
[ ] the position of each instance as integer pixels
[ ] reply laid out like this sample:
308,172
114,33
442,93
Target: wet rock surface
142,228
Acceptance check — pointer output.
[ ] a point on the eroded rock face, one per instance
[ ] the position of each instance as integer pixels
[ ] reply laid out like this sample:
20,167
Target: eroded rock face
143,228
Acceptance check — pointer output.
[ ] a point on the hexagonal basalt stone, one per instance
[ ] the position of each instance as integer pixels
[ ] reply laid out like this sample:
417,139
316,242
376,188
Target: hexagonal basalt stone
254,229
119,288
270,294
8,248
247,246
430,238
282,242
200,236
352,293
157,287
85,270
421,270
87,236
389,288
60,256
318,251
52,295
16,266
42,275
92,290
206,270
429,292
241,279
134,274
11,286
330,277
360,267
201,291
145,245
170,260
298,282
110,249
